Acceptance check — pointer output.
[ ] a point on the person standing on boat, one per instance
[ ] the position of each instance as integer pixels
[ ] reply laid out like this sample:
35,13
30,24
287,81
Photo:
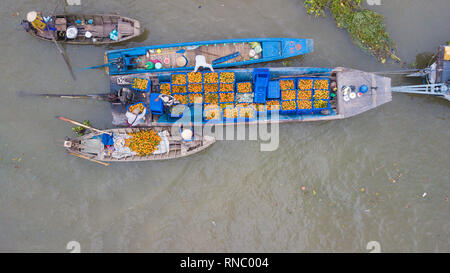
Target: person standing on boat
37,22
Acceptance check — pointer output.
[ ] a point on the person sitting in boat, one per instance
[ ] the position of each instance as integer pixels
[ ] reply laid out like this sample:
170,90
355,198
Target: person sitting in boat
134,118
200,61
37,22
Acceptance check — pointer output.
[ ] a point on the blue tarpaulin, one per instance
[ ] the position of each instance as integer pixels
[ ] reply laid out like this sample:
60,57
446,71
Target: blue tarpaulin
107,139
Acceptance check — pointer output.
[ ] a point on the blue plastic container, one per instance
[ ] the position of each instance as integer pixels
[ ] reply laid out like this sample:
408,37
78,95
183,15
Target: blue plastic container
187,78
323,108
192,101
223,114
237,90
178,73
289,79
143,103
189,91
328,80
156,104
147,89
305,111
297,80
241,118
220,73
261,77
234,94
205,73
288,112
273,92
270,111
217,119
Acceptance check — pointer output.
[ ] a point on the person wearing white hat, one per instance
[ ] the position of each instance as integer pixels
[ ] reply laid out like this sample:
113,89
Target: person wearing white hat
187,134
36,21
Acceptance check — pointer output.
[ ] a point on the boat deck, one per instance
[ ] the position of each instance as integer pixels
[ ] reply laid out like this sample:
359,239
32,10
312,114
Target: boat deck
379,91
211,52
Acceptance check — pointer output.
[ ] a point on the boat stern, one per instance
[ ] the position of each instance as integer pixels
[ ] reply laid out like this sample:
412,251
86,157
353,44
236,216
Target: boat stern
360,91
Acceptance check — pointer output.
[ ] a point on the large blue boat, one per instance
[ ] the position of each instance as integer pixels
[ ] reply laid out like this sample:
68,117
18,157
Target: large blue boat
218,54
252,95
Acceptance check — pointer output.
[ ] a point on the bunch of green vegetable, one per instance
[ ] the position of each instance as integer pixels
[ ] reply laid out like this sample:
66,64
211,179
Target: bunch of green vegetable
79,130
365,27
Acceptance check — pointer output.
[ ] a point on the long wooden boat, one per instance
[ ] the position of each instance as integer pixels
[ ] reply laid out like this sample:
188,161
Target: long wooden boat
171,145
316,94
89,28
218,53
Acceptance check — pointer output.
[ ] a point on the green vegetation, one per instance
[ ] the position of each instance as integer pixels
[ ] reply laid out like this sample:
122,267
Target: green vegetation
79,130
365,27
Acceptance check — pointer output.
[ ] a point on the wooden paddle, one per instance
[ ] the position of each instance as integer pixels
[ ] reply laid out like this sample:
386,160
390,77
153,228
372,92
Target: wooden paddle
82,125
105,97
90,159
66,60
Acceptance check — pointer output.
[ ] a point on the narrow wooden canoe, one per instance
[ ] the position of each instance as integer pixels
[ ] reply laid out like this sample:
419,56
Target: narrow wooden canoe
333,93
171,146
219,53
98,27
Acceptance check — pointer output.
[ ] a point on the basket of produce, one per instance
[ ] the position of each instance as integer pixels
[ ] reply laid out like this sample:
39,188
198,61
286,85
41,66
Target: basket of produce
178,78
260,108
230,113
179,89
212,98
288,107
144,142
226,97
183,99
164,88
210,77
194,77
226,87
226,77
304,106
273,105
211,88
244,87
195,88
322,84
211,112
137,108
288,95
246,113
319,105
305,83
287,84
304,94
140,84
196,98
321,94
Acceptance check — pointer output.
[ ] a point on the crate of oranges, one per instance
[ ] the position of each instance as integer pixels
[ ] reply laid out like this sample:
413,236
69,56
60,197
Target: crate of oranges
140,84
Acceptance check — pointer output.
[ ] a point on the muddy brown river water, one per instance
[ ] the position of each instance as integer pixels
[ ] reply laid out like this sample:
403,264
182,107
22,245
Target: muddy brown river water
381,176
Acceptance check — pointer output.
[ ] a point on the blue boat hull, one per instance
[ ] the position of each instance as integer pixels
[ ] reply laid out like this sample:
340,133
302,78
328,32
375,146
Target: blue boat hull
133,60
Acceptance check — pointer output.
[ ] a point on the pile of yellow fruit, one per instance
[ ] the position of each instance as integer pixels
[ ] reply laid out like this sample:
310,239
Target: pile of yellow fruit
139,106
140,84
143,143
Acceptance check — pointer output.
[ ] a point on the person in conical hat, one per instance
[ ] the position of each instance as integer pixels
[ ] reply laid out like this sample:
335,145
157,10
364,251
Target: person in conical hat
181,61
187,134
36,21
